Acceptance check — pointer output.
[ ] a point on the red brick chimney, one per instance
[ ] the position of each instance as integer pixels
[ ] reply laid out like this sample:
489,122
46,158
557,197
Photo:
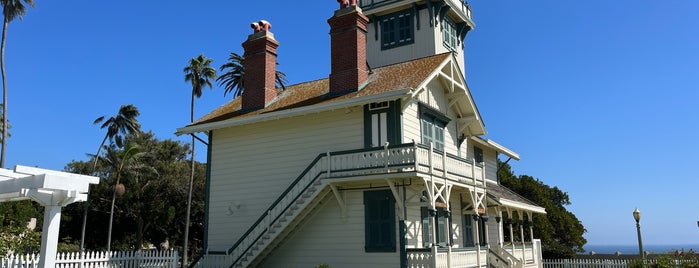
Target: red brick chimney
347,48
259,67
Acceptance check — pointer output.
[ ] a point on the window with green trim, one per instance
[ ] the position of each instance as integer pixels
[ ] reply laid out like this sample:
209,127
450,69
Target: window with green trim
468,231
442,217
450,37
433,124
397,29
379,221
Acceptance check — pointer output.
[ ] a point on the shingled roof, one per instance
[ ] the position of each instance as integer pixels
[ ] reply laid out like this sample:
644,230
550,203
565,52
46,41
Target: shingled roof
505,196
399,76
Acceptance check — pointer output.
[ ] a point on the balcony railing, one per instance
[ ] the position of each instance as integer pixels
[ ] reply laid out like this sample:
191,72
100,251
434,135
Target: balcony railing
405,158
461,5
456,257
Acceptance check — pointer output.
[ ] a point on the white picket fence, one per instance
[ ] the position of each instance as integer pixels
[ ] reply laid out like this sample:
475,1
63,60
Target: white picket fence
600,263
585,263
121,259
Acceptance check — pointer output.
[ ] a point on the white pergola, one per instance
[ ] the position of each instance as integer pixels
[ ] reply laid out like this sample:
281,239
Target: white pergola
51,189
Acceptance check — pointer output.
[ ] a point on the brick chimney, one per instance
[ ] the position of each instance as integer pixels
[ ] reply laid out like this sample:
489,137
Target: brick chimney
347,48
259,67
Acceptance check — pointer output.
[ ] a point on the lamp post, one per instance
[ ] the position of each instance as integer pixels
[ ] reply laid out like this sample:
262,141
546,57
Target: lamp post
637,217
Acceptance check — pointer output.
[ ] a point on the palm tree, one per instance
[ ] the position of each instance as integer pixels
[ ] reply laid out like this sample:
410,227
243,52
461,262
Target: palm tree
200,73
232,80
130,154
123,123
11,9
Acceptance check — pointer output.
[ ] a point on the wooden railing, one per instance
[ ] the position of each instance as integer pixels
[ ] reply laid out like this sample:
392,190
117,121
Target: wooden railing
403,158
461,5
529,253
456,257
143,258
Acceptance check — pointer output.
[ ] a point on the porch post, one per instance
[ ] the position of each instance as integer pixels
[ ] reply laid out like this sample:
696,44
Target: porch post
512,234
485,235
447,224
498,219
433,237
521,230
477,238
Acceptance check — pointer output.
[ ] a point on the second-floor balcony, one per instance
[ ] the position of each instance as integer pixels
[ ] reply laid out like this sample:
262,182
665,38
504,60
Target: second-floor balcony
408,159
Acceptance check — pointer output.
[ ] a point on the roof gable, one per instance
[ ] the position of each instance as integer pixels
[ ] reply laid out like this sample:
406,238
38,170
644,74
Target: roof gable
392,81
459,98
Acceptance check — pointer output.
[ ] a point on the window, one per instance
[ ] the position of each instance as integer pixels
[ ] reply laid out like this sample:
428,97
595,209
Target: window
397,29
381,123
379,221
449,34
469,220
442,216
432,127
468,231
477,154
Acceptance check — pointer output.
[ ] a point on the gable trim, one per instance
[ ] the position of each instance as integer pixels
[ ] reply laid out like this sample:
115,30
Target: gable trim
391,95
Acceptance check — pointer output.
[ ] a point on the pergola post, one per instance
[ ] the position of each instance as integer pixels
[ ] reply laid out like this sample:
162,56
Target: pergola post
49,237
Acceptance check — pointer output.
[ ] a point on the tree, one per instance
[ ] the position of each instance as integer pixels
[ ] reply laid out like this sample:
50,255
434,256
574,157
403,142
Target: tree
11,9
127,159
123,123
560,231
199,73
151,211
232,79
15,237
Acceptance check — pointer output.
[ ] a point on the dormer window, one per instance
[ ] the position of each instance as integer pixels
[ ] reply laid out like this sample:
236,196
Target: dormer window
397,29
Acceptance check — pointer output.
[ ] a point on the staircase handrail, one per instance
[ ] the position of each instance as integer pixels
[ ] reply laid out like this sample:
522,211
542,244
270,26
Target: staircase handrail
291,187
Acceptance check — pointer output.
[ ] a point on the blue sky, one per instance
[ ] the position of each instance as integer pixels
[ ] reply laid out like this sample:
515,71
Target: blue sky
598,97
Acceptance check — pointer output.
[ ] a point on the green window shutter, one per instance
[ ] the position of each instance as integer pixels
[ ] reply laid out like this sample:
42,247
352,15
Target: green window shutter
379,221
468,231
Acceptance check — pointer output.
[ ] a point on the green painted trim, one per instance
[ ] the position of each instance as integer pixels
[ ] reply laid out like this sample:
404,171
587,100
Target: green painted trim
393,126
425,110
367,126
417,16
403,229
395,130
207,196
370,198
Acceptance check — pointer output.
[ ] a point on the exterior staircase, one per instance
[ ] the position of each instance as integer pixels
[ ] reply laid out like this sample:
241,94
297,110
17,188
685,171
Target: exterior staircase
308,190
499,258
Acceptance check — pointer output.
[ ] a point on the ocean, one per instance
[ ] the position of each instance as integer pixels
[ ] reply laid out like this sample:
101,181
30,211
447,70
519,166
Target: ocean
633,249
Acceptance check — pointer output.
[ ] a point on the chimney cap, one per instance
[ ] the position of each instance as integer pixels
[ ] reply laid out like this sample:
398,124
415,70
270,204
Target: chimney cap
261,25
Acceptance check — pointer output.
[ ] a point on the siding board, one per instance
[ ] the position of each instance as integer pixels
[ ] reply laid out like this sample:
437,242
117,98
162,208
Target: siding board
243,156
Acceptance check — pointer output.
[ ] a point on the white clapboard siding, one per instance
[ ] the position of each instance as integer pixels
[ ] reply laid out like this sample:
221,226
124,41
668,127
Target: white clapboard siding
329,238
257,162
491,164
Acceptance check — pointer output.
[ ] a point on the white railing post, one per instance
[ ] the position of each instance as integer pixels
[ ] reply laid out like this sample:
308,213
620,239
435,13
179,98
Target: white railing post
386,157
327,158
473,171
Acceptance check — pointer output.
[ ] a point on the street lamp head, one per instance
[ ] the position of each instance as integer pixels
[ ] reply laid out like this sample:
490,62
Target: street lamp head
637,215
